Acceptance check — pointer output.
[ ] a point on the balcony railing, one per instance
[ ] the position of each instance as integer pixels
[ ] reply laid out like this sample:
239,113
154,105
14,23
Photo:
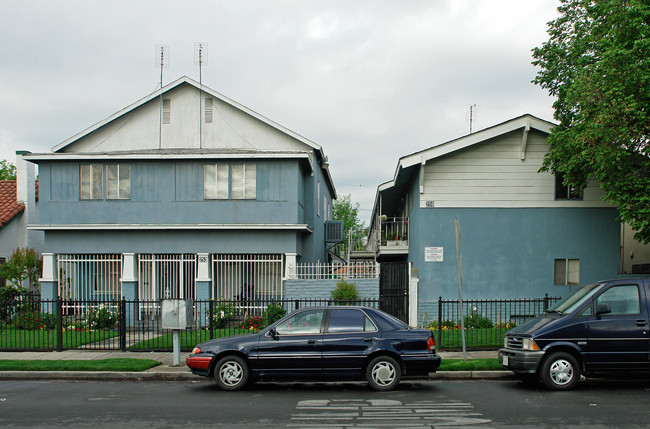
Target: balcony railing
394,231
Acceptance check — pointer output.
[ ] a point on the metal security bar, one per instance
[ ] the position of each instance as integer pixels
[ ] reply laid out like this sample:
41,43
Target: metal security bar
358,270
89,277
248,278
164,276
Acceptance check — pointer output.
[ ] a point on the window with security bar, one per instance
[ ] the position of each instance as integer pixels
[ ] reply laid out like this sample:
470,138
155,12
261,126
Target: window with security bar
248,277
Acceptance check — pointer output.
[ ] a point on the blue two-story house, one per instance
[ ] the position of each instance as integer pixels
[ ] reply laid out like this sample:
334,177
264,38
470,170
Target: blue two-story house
523,234
183,194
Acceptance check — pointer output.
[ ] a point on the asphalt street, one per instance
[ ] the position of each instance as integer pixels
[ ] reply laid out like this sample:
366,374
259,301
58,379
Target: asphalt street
416,404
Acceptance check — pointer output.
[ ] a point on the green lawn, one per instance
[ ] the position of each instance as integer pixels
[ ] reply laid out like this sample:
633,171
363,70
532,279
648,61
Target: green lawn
12,339
470,365
485,339
189,339
122,365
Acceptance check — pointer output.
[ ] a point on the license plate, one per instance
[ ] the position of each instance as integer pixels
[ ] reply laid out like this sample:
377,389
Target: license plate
505,360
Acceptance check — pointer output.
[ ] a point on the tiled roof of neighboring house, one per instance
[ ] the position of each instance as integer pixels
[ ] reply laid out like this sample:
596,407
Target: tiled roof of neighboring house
9,207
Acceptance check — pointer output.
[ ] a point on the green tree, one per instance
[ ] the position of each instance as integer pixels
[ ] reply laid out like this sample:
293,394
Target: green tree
344,209
7,170
24,265
597,65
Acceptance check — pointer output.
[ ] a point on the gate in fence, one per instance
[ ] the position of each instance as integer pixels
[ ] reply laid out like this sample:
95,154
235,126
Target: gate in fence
394,289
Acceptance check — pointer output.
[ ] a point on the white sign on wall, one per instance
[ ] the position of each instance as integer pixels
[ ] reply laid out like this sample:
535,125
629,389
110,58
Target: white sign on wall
434,254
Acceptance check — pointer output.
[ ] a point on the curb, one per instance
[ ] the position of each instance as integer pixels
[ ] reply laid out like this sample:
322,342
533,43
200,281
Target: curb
189,377
98,376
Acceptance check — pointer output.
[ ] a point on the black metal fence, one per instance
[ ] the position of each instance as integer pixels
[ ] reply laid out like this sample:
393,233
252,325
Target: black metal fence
485,321
30,323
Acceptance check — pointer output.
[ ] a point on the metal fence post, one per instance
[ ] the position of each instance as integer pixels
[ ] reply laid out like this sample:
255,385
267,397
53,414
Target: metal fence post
59,324
439,322
211,313
123,324
545,301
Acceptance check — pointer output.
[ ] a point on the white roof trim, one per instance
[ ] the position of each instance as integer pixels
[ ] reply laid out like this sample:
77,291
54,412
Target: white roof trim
149,156
199,226
203,88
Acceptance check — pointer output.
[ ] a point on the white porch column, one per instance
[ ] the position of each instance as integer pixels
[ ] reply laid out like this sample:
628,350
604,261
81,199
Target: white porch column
129,267
203,277
413,296
49,280
290,266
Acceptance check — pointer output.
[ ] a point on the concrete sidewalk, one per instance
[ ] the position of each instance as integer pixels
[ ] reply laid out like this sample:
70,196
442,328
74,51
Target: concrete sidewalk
166,371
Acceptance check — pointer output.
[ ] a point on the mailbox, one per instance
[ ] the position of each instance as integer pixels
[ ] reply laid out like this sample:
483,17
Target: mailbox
177,313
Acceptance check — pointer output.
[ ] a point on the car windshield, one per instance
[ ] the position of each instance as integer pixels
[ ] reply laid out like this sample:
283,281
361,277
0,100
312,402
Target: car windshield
574,300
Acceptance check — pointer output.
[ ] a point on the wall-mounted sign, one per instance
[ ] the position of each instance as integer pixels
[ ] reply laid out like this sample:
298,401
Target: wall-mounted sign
434,254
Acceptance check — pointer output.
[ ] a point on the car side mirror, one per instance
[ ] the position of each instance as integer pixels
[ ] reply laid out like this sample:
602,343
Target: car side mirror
273,333
603,309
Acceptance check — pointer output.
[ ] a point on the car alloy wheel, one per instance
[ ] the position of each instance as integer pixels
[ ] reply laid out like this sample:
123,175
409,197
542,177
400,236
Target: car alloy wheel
383,373
560,371
231,373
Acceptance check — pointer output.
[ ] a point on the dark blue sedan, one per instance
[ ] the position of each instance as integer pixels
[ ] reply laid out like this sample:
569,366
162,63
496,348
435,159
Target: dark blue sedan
321,342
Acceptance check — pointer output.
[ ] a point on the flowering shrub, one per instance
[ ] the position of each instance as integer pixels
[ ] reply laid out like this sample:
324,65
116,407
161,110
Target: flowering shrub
477,321
223,313
32,320
254,324
102,317
505,325
446,325
77,325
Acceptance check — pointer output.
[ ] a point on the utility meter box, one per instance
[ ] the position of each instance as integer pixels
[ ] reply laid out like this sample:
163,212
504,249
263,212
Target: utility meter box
177,313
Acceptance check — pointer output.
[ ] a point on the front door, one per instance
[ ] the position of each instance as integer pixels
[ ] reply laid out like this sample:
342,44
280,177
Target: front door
394,289
620,339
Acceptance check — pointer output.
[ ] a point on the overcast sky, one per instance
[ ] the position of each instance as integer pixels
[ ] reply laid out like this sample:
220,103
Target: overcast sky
369,81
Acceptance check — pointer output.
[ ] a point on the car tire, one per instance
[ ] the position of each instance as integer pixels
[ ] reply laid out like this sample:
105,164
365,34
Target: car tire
560,371
383,373
231,373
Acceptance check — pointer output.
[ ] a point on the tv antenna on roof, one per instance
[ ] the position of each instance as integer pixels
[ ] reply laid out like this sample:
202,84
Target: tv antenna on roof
200,59
472,113
162,61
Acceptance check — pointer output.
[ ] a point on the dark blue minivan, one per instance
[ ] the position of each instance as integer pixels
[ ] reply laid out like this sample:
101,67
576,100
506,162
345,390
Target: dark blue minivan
602,327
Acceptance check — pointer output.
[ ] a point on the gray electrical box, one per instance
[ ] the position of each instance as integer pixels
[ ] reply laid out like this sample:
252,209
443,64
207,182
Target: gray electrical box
177,313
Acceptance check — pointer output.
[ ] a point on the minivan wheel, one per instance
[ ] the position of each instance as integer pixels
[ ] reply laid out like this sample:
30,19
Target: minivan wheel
560,371
231,373
383,373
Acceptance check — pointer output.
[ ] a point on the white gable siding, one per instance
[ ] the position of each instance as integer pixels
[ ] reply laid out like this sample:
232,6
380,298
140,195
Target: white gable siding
492,174
140,129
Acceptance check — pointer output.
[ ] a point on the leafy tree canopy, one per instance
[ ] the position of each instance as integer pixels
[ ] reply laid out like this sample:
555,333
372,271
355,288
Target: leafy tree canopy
344,209
597,65
7,170
24,265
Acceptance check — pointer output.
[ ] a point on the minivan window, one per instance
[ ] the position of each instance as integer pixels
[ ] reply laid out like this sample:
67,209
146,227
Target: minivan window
621,300
574,300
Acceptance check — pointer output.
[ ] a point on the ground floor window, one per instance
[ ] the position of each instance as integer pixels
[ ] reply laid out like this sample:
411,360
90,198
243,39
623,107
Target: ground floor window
567,272
247,277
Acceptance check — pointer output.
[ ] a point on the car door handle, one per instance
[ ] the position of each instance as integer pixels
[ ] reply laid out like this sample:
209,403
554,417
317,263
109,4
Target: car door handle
311,341
368,340
641,322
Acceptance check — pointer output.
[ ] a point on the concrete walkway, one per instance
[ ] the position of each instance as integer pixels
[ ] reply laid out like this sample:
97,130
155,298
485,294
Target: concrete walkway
167,371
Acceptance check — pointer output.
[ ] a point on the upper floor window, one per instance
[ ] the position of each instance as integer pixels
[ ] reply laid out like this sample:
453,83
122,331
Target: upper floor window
208,110
215,182
118,182
236,181
91,181
563,192
244,182
167,111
